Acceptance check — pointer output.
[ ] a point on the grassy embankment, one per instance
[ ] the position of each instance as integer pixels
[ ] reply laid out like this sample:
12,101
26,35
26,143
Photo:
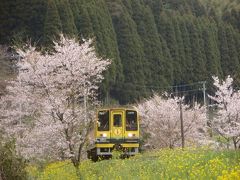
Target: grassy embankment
162,164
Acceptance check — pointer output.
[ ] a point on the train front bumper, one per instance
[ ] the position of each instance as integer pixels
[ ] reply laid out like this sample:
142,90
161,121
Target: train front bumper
107,148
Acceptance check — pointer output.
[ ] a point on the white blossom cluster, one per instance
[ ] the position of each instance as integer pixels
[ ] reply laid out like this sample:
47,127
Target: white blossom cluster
161,117
227,121
44,107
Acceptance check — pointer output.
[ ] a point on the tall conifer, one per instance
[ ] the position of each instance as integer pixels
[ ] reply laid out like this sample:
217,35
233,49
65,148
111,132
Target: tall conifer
166,29
233,64
187,68
147,30
131,53
52,24
67,18
211,51
106,44
199,69
181,52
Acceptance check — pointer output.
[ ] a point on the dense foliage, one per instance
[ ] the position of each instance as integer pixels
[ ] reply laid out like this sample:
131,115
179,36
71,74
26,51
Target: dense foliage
154,44
11,165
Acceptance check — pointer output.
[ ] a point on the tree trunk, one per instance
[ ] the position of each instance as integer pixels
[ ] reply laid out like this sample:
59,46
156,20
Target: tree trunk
76,164
1,175
235,143
78,173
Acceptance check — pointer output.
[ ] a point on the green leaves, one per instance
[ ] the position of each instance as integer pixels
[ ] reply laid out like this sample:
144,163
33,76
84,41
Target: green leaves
12,166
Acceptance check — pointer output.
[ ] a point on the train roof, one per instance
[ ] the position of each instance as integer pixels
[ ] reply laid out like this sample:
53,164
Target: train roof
117,108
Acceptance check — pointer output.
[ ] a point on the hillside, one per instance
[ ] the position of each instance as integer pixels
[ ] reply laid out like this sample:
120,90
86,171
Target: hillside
153,44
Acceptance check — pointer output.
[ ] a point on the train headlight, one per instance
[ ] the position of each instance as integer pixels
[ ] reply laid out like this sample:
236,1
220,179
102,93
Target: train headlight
104,135
130,135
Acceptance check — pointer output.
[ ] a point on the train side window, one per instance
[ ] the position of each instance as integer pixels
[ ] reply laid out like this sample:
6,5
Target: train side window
131,121
103,121
117,120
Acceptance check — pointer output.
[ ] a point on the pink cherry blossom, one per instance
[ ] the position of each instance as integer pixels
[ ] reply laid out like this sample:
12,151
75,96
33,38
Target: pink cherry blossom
44,108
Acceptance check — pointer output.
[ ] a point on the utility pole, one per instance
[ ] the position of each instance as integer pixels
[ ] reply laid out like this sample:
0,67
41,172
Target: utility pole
85,104
181,119
204,93
21,109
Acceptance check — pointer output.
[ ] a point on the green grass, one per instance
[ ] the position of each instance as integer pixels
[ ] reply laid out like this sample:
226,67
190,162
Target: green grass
162,164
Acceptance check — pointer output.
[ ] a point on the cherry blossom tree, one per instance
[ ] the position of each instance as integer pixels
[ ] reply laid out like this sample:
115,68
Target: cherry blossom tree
161,117
48,108
227,121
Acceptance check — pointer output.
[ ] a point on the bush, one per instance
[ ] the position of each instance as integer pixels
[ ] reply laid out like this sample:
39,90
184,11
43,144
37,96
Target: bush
11,165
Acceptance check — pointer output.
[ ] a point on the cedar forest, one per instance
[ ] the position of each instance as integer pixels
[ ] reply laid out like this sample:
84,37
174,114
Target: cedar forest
153,44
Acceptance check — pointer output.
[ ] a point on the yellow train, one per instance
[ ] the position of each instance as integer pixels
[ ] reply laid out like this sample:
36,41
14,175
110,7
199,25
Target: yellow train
116,128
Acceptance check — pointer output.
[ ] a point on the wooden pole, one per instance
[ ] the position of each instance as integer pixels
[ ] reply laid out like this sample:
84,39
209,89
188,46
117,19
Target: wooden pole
182,130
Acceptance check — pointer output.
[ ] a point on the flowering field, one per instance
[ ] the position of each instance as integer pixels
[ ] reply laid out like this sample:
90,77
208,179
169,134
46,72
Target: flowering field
162,164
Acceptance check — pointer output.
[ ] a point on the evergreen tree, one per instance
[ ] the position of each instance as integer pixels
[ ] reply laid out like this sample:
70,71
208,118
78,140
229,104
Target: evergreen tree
232,17
106,44
67,18
35,11
167,63
52,25
233,64
229,56
199,69
128,5
196,7
6,20
187,68
211,51
10,23
200,25
152,43
84,24
154,60
131,53
166,29
180,45
156,6
75,7
237,41
223,47
21,20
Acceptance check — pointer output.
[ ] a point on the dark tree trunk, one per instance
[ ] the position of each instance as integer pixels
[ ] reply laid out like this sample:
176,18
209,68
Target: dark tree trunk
78,173
0,175
76,164
235,142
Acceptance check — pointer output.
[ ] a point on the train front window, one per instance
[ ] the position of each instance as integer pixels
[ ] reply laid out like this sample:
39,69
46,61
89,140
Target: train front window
131,121
117,120
103,121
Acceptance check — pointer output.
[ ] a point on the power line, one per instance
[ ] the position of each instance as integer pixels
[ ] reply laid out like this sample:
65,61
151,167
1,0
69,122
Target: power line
179,92
167,87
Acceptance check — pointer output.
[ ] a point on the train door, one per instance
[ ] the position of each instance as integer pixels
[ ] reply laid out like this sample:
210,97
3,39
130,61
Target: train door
117,124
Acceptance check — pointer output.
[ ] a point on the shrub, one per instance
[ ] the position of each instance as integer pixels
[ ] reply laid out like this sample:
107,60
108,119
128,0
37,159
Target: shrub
12,166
